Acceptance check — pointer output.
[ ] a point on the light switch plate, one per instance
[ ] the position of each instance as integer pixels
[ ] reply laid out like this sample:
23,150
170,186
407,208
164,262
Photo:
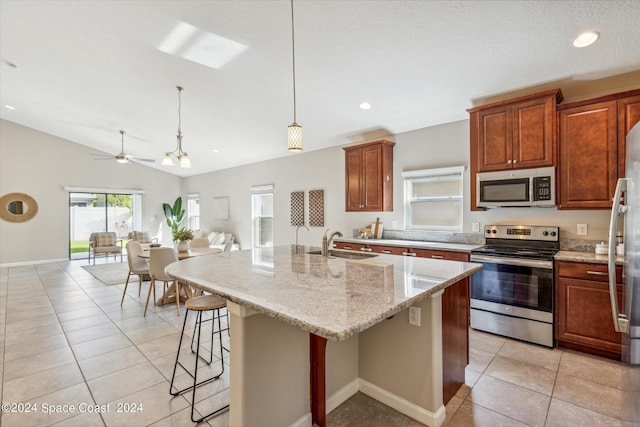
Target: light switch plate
475,227
414,316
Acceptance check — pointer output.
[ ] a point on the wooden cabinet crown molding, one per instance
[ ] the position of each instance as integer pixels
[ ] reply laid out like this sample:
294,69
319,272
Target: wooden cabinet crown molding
557,93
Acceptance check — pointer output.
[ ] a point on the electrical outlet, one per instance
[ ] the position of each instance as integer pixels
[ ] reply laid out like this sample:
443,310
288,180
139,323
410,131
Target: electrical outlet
414,316
582,229
394,225
475,227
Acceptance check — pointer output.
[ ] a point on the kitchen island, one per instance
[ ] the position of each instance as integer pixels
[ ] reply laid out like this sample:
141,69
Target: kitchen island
286,303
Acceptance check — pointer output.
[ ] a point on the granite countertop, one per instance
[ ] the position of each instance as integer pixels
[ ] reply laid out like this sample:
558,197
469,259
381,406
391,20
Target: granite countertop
456,247
586,257
335,298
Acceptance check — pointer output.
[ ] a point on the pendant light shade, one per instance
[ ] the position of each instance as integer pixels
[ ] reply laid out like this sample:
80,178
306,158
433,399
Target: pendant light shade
182,156
294,132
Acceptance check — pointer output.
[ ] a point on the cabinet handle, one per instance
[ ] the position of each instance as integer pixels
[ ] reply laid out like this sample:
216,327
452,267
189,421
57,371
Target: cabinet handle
515,161
388,178
597,273
365,249
384,251
437,256
348,247
508,162
409,253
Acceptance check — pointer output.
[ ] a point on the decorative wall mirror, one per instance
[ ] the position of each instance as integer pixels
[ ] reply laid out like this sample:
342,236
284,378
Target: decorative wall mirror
18,207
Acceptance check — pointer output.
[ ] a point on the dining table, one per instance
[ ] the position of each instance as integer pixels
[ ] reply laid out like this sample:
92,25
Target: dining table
186,291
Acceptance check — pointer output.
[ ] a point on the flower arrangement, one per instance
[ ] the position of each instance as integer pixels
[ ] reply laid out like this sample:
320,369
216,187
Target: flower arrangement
183,234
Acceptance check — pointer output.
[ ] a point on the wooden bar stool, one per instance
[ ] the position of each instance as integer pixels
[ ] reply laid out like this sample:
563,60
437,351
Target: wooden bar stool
200,305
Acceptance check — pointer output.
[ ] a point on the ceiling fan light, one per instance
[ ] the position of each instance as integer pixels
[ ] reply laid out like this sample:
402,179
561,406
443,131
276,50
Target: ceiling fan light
185,162
167,160
122,159
294,137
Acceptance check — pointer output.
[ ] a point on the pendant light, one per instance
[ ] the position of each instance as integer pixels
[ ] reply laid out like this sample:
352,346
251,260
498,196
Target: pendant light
294,132
182,156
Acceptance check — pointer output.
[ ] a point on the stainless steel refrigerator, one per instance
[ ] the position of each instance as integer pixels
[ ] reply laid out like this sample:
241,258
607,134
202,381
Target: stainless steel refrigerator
626,313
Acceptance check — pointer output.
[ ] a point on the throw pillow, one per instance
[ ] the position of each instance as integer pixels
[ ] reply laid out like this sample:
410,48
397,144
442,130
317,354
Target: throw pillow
105,239
218,240
142,236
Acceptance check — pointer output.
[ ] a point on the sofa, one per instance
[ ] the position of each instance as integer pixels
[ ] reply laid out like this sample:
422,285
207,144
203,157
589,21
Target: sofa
214,240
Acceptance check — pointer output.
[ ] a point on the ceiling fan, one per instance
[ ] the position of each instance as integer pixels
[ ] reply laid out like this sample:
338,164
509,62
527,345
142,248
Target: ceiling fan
122,157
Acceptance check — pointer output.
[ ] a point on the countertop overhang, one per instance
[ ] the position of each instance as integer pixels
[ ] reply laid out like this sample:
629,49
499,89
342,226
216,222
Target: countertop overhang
335,298
456,247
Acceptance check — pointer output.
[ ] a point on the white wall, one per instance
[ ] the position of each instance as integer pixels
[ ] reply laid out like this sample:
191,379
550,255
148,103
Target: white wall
434,147
41,165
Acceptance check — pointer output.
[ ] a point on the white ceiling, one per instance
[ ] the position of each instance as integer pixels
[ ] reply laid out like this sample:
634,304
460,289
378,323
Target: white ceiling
86,69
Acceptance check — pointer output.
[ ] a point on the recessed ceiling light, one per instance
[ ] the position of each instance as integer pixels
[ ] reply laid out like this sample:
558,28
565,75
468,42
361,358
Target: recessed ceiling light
215,151
365,106
586,39
10,107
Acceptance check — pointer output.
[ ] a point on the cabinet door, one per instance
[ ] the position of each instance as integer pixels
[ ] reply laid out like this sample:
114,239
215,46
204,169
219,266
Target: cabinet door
494,139
390,250
584,320
533,133
628,116
588,156
349,246
353,179
372,178
438,254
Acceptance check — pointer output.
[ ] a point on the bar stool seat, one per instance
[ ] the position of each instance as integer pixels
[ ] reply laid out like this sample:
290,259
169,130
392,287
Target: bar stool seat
200,305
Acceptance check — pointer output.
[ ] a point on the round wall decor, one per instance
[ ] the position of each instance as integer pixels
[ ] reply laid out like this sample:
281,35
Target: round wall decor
18,207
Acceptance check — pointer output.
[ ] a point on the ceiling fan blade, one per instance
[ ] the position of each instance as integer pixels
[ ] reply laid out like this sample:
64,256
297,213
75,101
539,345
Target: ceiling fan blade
107,156
139,159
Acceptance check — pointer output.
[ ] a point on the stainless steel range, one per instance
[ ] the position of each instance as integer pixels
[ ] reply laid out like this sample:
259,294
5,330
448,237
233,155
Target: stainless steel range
513,294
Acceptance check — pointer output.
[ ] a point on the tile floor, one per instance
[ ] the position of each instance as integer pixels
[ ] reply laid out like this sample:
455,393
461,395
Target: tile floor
65,340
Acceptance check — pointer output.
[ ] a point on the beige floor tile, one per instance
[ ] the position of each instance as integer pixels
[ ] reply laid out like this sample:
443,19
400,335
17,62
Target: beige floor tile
80,313
542,356
586,394
32,333
507,399
213,403
564,414
100,346
87,419
85,322
32,346
479,360
182,419
41,383
470,415
51,408
451,408
92,333
485,341
162,346
109,387
151,405
591,368
141,335
37,363
104,364
25,324
523,374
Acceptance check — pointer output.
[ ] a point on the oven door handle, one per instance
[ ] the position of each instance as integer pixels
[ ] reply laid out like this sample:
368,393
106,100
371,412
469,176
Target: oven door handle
514,261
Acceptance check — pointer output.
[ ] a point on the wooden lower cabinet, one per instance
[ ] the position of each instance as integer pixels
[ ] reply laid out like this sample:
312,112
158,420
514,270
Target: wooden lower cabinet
583,309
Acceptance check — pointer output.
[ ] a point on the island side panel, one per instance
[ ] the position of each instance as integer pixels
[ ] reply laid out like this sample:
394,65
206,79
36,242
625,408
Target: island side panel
404,362
269,371
455,337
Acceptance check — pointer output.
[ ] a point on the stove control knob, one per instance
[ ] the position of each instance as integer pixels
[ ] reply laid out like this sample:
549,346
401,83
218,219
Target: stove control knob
494,231
545,233
553,233
488,231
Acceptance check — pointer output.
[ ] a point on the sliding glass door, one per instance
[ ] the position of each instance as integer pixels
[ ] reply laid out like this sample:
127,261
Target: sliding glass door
93,212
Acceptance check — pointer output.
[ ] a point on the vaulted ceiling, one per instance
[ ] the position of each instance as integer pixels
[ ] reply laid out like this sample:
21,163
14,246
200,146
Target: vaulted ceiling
86,69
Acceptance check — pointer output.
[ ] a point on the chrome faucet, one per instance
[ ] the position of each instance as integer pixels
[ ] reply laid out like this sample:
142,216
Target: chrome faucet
326,242
298,229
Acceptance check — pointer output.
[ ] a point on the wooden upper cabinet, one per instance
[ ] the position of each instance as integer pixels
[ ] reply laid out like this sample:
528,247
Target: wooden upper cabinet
588,140
515,134
628,116
591,139
369,177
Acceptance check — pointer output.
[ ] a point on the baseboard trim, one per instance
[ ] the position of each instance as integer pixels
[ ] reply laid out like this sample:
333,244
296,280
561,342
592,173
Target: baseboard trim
333,401
23,263
410,409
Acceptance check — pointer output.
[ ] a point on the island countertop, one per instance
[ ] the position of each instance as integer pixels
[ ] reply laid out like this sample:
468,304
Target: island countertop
335,298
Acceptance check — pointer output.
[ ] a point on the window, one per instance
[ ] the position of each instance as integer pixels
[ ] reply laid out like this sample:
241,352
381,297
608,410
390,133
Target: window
262,216
193,211
433,199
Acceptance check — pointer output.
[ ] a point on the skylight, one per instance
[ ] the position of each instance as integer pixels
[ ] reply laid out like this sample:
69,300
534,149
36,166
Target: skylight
200,46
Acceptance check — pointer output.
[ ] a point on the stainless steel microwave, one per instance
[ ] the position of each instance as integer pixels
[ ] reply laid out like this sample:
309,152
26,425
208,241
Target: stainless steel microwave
518,187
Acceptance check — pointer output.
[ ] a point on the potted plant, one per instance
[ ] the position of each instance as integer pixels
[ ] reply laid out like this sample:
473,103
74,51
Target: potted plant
174,214
183,236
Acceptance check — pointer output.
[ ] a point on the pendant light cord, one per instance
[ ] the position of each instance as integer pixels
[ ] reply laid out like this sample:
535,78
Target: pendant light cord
179,120
293,50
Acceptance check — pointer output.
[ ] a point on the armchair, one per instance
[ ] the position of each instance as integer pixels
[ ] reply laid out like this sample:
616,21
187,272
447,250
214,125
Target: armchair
104,243
142,237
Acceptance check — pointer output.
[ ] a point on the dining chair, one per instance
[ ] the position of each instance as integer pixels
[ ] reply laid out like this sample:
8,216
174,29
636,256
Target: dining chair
137,266
159,258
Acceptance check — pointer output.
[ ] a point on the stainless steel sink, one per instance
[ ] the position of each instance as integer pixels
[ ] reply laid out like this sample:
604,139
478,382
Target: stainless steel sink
345,254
